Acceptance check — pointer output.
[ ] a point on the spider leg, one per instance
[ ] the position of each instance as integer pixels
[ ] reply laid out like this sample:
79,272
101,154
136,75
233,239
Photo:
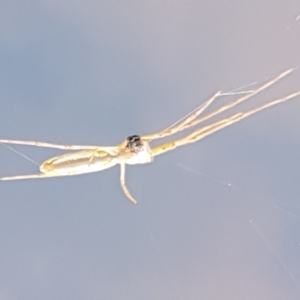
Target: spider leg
50,145
182,123
209,129
191,120
237,101
123,185
40,175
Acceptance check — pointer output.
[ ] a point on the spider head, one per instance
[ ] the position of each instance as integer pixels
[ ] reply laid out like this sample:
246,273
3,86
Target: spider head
139,148
134,143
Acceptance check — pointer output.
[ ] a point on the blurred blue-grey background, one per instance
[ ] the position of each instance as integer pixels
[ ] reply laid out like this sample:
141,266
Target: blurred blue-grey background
219,219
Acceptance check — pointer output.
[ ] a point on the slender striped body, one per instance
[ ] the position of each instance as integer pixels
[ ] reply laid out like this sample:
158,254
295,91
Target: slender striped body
79,162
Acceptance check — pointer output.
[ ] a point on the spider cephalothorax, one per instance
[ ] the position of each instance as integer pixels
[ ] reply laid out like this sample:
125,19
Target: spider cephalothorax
138,149
134,143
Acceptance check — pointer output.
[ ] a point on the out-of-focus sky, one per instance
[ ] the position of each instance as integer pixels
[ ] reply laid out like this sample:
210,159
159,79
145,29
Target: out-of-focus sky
218,219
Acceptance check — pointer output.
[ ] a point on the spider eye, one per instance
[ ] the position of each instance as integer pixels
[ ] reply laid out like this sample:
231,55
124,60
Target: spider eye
134,143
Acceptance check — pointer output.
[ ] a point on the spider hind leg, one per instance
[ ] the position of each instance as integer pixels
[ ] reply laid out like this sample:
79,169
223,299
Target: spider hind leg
30,176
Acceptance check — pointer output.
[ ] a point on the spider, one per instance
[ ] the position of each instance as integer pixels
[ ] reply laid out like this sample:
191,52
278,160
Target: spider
136,149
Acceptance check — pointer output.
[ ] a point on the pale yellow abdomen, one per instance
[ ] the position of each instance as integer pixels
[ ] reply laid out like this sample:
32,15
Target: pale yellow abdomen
78,162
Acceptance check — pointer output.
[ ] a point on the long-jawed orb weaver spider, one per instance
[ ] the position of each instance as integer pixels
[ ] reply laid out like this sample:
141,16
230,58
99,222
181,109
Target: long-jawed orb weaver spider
136,149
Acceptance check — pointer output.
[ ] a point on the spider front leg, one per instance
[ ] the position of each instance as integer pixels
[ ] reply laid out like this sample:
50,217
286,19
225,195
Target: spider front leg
183,123
192,120
123,185
209,129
